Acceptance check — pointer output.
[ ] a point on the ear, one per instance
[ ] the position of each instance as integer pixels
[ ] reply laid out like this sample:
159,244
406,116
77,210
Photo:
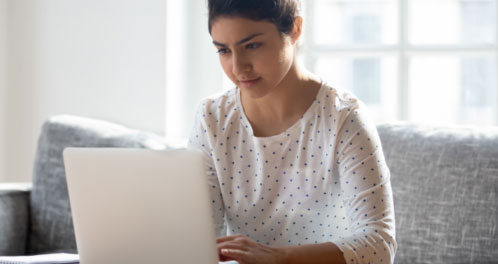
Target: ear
297,29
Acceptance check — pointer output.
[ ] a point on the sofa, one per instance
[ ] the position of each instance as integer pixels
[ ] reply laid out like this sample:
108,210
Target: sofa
445,185
37,219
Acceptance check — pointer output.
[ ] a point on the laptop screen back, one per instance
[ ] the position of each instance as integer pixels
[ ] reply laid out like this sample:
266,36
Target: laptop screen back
140,206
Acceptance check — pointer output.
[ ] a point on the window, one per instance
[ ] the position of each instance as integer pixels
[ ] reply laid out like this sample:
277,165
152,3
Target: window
430,61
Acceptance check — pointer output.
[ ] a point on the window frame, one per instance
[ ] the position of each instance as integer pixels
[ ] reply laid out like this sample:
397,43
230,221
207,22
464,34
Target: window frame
402,51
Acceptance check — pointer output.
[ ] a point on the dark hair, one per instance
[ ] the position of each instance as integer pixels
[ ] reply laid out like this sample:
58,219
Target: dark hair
281,13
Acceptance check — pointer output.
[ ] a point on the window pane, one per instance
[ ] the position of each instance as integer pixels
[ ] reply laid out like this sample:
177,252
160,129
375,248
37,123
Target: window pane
452,90
366,80
477,92
371,79
337,22
452,22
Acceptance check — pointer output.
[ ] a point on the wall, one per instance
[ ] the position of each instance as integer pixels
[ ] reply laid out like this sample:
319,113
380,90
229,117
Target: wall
101,59
3,28
193,67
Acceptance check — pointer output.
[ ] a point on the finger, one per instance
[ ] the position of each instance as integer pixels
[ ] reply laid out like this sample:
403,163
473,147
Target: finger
230,245
235,254
224,258
227,238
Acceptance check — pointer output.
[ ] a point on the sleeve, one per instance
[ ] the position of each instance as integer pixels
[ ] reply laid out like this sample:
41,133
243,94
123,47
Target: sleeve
201,138
365,183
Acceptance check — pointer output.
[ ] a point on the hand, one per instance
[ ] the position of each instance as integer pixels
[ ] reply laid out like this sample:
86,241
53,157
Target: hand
247,251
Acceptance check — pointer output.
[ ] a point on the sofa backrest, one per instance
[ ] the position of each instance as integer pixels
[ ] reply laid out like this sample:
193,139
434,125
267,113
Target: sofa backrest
445,184
51,227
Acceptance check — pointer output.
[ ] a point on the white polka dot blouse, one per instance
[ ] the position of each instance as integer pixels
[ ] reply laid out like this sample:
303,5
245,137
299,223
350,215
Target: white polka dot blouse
324,179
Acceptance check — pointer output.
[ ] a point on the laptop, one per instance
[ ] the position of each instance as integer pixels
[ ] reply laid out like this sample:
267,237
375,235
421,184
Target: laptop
140,206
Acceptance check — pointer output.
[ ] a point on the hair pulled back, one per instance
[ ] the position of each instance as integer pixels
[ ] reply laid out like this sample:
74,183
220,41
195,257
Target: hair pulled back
281,13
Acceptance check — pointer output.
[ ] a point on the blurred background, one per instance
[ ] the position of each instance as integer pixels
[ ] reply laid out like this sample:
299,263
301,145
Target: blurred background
146,64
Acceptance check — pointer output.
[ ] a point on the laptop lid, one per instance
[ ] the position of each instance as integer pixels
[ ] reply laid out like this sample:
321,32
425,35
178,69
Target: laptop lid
140,206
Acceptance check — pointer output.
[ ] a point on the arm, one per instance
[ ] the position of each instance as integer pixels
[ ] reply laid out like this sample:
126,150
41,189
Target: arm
313,253
367,194
201,140
247,251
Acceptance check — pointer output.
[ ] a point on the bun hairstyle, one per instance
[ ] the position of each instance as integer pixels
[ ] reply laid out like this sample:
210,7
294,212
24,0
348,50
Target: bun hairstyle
281,13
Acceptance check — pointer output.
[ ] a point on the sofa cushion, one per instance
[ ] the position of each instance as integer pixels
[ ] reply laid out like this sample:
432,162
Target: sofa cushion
445,185
51,227
14,218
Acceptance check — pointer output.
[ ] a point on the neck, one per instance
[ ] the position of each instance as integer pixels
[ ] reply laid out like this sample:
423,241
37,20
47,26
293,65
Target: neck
293,95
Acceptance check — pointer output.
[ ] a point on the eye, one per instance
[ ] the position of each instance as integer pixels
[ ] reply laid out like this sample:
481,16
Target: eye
223,51
253,45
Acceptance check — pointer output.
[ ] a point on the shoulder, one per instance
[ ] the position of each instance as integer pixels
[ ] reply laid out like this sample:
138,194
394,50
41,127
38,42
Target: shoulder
340,99
340,104
217,105
346,113
351,116
211,115
218,112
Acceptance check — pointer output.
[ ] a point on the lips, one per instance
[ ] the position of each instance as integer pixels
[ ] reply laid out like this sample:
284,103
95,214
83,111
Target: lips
250,82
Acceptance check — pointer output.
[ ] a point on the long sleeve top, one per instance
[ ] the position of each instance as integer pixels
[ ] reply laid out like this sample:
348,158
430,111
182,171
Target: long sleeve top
323,179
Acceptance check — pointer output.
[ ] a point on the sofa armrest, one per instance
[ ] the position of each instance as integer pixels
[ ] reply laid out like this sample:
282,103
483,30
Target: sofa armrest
14,218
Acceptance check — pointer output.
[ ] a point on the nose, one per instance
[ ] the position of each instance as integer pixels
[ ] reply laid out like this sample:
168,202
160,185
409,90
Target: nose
241,65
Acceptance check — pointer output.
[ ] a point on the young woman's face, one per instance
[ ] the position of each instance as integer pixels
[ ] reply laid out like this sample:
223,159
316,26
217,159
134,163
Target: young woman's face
253,54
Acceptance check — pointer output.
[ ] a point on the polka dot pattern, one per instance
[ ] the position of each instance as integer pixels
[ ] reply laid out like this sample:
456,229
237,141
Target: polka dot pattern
323,179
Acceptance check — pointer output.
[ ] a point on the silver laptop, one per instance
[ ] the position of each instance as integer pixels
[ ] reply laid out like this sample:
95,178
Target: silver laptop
140,206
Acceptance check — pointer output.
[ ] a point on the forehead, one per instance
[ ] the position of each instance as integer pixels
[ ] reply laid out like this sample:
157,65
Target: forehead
232,29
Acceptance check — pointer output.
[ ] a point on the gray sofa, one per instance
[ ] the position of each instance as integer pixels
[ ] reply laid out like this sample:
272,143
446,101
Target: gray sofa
445,183
38,220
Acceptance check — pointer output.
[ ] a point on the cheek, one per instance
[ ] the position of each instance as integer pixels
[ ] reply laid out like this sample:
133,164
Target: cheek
286,56
227,66
280,63
271,62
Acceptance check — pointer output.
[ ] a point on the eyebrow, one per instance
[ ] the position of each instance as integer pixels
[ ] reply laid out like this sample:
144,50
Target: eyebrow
246,39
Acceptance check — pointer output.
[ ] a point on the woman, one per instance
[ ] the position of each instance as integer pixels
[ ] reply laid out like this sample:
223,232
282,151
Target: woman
296,170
